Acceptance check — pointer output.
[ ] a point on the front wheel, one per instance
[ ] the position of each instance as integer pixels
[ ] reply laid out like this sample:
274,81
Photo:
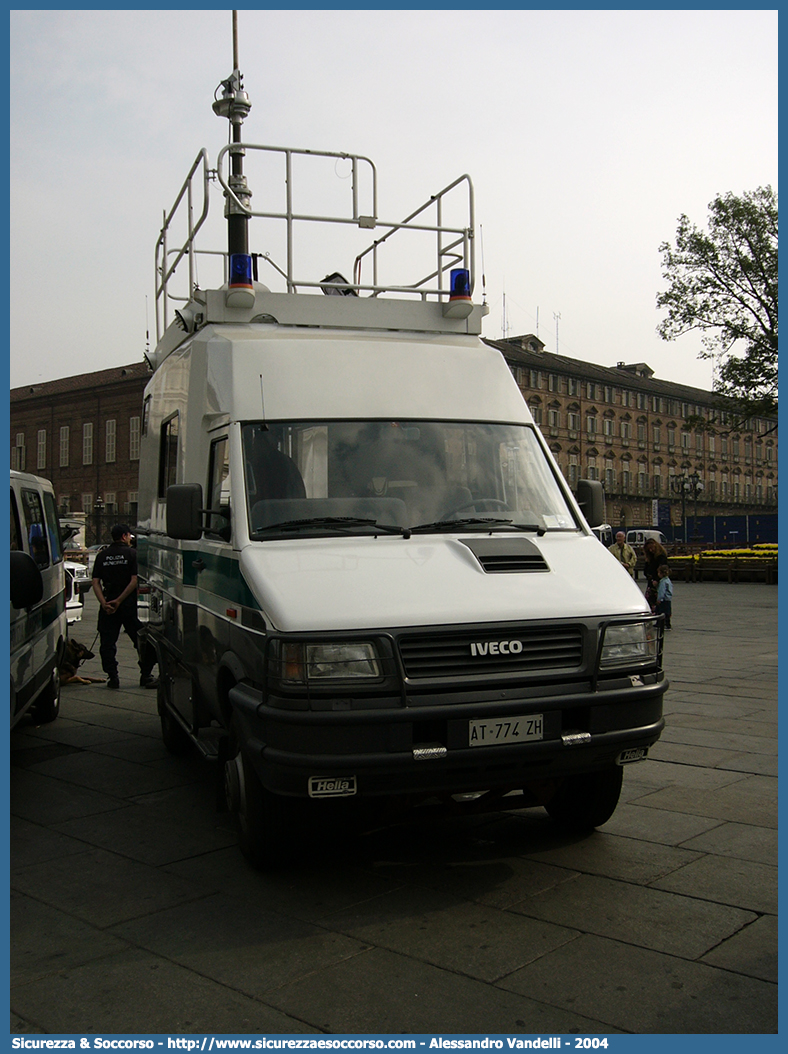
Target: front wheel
261,818
47,706
587,800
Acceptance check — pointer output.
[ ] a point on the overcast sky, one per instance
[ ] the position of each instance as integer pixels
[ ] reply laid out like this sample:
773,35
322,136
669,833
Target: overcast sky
586,135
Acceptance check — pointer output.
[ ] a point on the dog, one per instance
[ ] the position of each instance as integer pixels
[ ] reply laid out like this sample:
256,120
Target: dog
74,654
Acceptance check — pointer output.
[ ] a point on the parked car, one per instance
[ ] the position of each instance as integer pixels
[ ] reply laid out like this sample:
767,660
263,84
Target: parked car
78,582
604,533
37,595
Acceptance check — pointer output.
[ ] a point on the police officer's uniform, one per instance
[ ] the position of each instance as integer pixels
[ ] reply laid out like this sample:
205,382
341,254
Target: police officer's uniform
115,567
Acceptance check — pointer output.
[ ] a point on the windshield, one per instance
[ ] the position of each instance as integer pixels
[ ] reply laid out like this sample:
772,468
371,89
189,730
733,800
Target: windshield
352,475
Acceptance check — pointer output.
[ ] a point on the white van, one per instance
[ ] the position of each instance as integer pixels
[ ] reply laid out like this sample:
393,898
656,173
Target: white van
38,599
369,580
640,536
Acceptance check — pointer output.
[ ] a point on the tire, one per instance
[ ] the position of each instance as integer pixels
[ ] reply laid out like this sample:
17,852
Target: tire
47,706
174,737
261,818
587,800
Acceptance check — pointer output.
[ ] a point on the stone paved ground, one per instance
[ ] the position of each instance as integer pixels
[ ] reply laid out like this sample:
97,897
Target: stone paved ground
133,911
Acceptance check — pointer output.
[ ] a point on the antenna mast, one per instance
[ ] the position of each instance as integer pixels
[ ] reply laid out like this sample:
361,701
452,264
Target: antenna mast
234,104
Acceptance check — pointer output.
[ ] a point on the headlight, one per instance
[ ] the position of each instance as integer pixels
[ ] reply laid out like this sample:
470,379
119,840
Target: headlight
628,644
318,663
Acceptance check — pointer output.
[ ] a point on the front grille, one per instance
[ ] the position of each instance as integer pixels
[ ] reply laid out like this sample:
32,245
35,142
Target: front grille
524,651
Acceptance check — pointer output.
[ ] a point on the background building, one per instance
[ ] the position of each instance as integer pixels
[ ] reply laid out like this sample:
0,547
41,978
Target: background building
83,433
636,434
619,424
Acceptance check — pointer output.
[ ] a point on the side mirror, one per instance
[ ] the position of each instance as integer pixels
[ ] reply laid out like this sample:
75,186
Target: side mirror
27,584
184,511
591,499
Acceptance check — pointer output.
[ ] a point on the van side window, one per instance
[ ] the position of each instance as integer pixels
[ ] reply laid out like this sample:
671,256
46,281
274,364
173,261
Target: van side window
219,488
168,454
53,529
35,527
16,534
146,414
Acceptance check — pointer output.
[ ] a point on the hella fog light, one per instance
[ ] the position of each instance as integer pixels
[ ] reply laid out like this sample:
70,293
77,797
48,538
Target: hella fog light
629,643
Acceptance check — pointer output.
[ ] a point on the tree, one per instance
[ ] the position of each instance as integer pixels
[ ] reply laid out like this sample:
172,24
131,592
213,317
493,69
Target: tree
724,284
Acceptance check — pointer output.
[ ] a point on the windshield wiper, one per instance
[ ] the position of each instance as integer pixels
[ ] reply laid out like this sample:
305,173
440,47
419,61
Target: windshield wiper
477,523
341,523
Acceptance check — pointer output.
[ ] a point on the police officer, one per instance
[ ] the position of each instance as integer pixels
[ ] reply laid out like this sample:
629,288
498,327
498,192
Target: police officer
115,586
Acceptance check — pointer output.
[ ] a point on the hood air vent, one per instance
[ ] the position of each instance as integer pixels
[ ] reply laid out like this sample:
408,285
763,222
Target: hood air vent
507,556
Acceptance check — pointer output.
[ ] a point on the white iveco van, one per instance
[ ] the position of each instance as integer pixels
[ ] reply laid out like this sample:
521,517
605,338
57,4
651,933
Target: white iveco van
369,579
38,599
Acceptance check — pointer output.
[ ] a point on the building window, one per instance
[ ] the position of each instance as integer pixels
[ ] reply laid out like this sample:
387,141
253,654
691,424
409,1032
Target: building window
134,439
608,393
610,475
699,444
642,433
64,442
572,386
65,504
592,472
626,480
591,424
573,469
41,449
642,481
110,505
87,503
642,401
18,453
657,484
534,378
712,446
87,444
591,391
130,507
609,427
656,434
685,440
552,383
573,422
111,434
625,431
536,411
554,418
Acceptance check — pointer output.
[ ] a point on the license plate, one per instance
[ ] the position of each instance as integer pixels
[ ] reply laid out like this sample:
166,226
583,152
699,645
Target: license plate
497,730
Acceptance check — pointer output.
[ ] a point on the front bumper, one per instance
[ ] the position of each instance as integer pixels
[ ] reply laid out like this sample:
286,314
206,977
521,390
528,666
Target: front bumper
423,750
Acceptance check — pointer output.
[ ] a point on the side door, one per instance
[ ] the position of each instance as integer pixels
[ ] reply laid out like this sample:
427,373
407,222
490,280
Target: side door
217,581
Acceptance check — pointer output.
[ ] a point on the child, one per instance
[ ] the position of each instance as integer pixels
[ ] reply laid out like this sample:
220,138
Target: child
665,594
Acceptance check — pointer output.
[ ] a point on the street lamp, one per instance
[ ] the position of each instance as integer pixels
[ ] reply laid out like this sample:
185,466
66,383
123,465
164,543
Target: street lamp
681,485
696,486
98,509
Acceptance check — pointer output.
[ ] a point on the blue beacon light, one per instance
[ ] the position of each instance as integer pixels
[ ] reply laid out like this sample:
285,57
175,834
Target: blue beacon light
240,290
459,304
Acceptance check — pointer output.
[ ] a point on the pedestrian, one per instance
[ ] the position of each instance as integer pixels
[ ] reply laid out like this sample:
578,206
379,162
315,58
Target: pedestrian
654,556
115,586
624,553
665,594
